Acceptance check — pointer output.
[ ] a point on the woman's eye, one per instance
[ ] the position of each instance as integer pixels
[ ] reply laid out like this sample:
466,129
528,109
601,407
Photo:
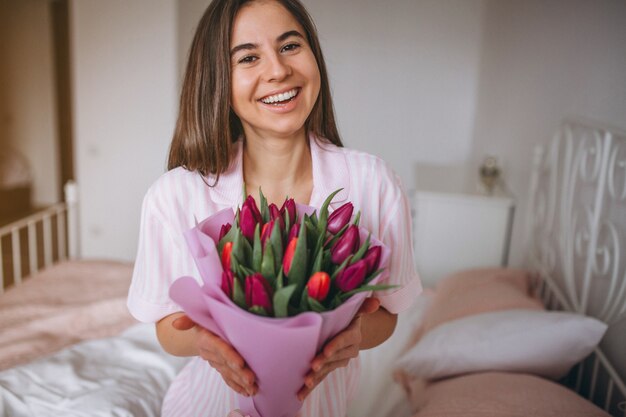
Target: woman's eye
248,59
290,47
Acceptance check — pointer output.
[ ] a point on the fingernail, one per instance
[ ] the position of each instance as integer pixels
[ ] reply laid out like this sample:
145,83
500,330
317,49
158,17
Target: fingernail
317,367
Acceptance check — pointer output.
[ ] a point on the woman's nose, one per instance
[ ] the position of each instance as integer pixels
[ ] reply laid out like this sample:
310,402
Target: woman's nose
277,69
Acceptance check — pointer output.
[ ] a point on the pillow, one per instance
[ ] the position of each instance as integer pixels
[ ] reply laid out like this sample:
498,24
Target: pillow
530,341
477,291
502,395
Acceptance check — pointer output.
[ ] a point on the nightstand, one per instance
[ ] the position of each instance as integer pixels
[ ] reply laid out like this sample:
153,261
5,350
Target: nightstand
456,225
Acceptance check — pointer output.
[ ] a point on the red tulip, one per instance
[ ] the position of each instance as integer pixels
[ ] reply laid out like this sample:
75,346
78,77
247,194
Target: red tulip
339,218
258,292
266,232
347,244
224,230
276,214
226,251
249,217
290,206
318,285
228,282
352,277
288,258
372,258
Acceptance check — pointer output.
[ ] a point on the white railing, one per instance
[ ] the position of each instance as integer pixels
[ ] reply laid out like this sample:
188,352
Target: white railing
66,231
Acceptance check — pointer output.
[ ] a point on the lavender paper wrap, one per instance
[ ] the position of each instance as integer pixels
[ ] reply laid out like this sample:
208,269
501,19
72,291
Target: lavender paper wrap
278,350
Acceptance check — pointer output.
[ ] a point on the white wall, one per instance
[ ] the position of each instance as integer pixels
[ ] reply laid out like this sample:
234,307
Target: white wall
543,61
404,76
124,85
27,98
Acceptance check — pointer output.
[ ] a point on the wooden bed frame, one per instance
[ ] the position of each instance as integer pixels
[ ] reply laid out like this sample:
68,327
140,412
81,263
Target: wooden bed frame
39,240
577,231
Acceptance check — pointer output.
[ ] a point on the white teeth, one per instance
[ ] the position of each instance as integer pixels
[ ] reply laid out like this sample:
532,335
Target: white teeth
280,97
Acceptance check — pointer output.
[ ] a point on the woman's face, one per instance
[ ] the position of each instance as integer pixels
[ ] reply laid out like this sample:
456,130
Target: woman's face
275,81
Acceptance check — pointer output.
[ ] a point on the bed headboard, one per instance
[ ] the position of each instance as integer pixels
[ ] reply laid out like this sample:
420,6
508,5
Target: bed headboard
39,239
576,239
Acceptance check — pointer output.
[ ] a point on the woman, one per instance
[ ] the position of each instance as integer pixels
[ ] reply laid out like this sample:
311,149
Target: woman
256,112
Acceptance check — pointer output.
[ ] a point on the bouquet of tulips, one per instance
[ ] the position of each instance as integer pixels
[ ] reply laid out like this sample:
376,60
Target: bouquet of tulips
277,284
277,264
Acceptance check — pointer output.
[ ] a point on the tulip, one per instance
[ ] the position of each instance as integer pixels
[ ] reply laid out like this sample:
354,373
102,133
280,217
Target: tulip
288,258
258,292
249,217
290,207
345,246
267,231
318,285
352,277
294,232
226,251
224,230
228,282
372,258
277,214
339,218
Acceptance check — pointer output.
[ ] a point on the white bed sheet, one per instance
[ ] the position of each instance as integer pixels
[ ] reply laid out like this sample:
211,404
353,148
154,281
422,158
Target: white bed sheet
119,376
379,395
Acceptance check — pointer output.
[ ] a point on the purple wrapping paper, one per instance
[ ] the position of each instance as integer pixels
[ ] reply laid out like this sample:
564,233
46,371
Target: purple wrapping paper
278,350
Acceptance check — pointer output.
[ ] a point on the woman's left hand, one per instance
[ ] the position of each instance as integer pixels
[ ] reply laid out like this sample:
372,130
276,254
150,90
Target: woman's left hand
339,350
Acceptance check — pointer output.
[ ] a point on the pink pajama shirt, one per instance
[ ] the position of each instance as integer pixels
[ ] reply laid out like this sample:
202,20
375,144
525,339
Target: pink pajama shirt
180,197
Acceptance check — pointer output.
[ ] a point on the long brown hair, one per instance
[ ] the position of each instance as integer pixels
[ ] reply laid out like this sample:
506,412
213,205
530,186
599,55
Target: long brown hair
207,127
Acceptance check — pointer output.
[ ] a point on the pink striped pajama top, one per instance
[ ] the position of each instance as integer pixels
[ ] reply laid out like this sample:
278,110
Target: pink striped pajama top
179,197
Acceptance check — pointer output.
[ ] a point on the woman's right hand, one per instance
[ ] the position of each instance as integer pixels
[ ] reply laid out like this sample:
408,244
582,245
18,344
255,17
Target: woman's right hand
221,356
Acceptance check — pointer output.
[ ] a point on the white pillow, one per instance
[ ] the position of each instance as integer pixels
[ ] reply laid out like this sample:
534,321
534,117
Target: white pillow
544,343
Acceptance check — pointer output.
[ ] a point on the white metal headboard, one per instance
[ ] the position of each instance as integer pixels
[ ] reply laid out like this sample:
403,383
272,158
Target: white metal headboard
66,233
576,239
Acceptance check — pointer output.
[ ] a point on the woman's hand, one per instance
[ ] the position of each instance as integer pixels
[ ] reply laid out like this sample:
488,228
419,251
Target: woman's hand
221,356
339,350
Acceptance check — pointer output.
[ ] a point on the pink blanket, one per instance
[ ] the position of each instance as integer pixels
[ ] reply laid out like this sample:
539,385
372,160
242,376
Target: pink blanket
62,305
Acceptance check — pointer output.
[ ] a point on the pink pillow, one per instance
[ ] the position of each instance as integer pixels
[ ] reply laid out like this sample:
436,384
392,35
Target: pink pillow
476,291
495,394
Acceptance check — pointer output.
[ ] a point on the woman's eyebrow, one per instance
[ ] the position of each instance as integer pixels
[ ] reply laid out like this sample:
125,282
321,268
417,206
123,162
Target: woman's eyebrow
251,46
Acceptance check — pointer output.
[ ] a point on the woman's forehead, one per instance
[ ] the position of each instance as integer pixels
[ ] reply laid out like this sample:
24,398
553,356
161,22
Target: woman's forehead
262,20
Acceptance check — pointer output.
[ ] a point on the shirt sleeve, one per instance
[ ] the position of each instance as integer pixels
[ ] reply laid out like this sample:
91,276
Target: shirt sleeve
396,235
161,258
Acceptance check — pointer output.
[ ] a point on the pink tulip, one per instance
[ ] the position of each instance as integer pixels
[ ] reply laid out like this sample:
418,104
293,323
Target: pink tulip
294,232
259,292
276,214
249,217
372,258
290,206
224,230
339,218
347,244
228,282
352,277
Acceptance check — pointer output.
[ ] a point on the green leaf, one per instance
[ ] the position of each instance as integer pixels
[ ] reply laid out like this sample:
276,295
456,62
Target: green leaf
340,268
316,305
280,278
244,271
297,272
257,249
228,237
304,301
312,233
359,254
281,300
268,267
317,263
357,219
276,240
372,275
234,264
258,310
239,295
323,217
265,211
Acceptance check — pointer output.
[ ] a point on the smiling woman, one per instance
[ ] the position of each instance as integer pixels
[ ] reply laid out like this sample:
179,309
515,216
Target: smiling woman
256,113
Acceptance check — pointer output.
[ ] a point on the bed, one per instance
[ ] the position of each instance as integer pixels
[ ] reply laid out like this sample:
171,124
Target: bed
481,342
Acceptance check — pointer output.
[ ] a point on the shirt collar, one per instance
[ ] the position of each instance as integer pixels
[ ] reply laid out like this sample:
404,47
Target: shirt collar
330,172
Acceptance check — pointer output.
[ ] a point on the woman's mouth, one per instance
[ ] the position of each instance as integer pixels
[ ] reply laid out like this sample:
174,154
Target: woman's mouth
281,98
